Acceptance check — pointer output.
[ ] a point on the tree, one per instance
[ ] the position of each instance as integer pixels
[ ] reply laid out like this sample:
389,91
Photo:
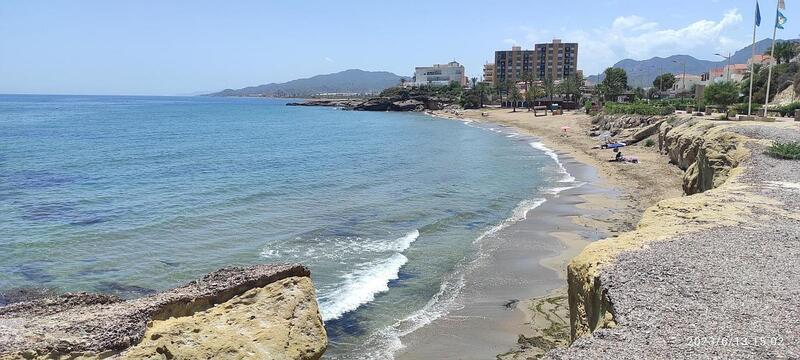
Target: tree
571,88
535,91
474,82
514,97
652,93
549,88
722,93
664,82
785,51
615,82
529,79
483,90
640,93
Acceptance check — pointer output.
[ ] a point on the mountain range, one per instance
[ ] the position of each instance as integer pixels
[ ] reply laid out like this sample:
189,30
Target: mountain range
642,73
349,81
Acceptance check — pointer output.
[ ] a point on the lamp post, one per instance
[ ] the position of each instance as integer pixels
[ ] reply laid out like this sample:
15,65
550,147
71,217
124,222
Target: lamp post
729,64
684,76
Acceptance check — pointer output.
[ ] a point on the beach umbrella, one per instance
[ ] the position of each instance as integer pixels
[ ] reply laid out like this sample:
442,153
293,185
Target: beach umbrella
565,128
616,145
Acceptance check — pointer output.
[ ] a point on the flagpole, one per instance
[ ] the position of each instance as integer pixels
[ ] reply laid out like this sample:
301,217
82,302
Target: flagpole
772,55
752,65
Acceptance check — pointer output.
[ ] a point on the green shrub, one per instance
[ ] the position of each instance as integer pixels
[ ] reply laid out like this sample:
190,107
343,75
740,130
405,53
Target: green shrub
741,108
788,109
649,143
638,108
787,151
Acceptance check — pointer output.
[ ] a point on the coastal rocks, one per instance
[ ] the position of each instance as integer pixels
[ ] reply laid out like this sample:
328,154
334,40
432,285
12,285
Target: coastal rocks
401,102
339,103
94,326
644,133
278,321
711,153
407,105
614,125
704,150
374,104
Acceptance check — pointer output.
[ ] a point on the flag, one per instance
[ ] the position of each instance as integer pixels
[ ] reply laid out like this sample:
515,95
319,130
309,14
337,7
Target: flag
780,20
758,15
781,5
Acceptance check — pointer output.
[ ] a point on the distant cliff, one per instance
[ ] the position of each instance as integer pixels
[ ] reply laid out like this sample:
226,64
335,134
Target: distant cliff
349,81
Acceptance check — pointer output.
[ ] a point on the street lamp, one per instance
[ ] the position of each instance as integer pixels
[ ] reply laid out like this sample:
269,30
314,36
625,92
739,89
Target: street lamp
684,76
729,64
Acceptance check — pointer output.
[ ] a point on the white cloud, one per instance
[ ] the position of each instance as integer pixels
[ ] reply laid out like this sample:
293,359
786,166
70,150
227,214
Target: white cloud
627,22
510,41
328,59
636,37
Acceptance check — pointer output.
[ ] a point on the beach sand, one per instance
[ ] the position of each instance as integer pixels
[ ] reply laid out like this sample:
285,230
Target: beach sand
514,301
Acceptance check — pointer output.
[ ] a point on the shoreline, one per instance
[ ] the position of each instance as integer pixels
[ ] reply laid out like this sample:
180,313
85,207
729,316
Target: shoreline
607,204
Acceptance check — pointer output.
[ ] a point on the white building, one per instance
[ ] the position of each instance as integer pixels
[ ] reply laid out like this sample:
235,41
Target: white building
684,83
440,75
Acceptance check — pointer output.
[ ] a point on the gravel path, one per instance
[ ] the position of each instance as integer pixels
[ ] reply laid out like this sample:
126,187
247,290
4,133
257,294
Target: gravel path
728,293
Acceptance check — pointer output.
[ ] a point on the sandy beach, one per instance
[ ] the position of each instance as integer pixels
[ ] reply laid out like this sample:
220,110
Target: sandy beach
515,296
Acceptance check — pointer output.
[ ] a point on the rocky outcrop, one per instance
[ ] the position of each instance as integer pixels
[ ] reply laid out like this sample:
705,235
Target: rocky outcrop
711,153
339,103
402,100
623,126
704,150
269,310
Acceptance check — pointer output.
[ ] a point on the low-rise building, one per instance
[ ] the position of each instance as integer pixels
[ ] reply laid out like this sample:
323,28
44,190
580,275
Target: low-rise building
733,72
761,59
440,75
685,83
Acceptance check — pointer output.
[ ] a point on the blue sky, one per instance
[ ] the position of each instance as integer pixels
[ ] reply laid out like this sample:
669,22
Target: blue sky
185,46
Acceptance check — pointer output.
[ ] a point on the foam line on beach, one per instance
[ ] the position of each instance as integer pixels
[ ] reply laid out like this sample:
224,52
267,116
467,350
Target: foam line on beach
384,343
362,285
568,178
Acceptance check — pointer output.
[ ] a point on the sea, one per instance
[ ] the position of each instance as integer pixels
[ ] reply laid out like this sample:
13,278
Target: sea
131,195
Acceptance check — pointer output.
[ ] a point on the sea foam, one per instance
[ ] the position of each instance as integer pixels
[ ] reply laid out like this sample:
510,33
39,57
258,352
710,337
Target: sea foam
568,178
360,286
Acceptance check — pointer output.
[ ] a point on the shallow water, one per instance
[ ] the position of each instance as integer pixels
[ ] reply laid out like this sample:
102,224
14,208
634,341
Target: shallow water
137,194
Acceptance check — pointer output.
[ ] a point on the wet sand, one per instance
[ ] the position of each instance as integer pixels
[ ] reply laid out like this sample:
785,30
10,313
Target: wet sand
523,261
525,264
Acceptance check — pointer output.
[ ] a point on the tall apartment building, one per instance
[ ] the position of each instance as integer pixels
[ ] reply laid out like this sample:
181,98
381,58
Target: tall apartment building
512,65
440,74
488,74
556,60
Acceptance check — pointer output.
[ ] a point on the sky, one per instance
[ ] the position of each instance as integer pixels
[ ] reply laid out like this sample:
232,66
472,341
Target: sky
179,47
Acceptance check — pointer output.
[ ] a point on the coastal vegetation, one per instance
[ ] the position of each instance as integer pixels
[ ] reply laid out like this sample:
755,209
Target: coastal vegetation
723,94
784,75
614,84
785,150
639,108
664,82
785,51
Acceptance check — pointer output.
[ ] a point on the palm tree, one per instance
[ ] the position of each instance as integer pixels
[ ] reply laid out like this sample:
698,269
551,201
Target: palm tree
474,82
514,97
528,78
570,88
549,89
785,51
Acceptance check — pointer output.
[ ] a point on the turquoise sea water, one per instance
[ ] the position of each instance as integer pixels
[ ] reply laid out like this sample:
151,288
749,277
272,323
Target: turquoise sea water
137,194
